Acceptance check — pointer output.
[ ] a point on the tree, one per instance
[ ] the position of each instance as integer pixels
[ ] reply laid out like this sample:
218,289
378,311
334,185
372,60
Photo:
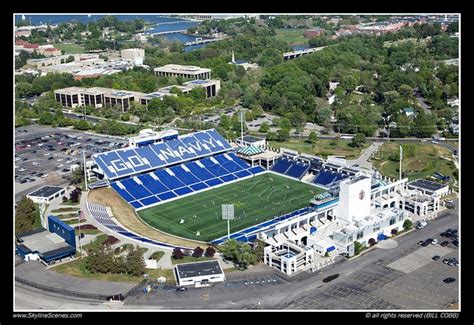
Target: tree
210,251
264,127
82,125
230,249
135,262
25,214
357,247
358,140
313,137
69,59
407,225
198,251
177,253
74,196
372,241
246,256
258,247
283,135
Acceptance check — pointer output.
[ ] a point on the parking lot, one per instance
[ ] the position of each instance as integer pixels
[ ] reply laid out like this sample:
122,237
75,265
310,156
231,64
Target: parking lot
41,151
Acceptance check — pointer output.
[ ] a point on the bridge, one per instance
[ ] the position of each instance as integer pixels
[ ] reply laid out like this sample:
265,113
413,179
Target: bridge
297,54
199,40
168,32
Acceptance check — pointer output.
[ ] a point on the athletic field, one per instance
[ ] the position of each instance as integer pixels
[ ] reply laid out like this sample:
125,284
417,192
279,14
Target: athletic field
256,199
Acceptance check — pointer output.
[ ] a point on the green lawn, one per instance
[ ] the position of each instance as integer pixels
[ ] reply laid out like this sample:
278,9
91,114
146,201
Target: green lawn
428,159
70,48
292,36
321,148
256,199
157,255
65,210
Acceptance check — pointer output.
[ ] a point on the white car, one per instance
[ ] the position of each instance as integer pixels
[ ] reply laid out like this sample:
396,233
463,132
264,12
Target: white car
60,166
46,154
17,158
60,159
435,241
45,175
35,163
40,145
21,169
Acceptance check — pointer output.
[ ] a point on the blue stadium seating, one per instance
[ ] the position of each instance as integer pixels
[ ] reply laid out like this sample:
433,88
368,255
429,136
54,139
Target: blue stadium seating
182,181
183,190
149,200
129,161
325,177
281,166
199,172
184,176
214,182
171,182
297,170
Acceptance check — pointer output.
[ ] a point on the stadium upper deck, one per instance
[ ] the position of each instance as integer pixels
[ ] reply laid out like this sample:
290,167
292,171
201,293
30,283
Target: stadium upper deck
130,161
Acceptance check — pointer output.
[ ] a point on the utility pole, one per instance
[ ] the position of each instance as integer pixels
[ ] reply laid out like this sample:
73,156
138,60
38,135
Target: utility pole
85,173
79,222
242,128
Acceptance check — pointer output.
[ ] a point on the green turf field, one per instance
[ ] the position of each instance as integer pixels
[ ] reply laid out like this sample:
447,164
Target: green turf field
256,199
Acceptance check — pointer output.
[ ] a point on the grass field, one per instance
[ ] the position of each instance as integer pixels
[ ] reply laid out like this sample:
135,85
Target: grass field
428,158
322,148
70,48
292,36
256,199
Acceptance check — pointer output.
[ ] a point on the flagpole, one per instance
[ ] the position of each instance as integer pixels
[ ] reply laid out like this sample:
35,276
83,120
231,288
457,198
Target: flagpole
400,169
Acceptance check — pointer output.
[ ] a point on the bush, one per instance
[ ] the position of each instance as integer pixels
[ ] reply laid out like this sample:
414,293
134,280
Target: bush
64,199
210,251
372,241
198,251
407,225
394,231
177,253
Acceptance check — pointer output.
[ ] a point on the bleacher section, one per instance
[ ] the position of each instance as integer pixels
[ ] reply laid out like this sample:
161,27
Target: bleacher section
129,161
99,213
250,234
326,177
290,168
162,185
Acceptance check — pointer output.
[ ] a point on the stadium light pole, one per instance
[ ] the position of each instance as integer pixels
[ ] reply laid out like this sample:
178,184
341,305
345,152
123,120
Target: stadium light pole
85,173
80,243
242,128
400,168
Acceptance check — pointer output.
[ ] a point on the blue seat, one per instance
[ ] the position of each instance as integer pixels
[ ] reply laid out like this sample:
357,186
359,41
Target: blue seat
171,182
256,170
123,193
139,191
152,184
243,173
183,190
199,172
198,186
281,166
166,195
228,178
184,176
214,168
136,204
214,182
149,200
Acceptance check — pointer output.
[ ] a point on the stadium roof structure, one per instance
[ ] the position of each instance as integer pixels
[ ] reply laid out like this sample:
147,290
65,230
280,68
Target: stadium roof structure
427,185
198,269
46,191
130,161
250,150
251,139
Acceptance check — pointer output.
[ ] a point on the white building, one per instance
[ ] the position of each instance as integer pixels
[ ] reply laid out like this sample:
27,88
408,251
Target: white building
46,194
199,274
148,136
185,71
135,54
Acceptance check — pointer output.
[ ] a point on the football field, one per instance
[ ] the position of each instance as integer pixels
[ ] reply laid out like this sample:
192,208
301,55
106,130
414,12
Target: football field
256,199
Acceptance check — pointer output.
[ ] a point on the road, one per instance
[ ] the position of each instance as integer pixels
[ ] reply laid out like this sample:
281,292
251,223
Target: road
364,159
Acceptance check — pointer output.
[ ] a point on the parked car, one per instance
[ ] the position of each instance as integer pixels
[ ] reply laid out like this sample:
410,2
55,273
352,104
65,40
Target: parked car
445,243
455,243
181,289
421,242
449,280
434,242
435,258
422,224
44,175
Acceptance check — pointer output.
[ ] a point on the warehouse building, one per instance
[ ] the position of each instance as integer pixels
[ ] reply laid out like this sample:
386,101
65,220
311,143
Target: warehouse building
46,194
199,274
47,246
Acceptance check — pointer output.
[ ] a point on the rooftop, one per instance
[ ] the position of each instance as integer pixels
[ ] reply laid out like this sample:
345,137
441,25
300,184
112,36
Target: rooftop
182,69
198,269
43,241
427,185
46,191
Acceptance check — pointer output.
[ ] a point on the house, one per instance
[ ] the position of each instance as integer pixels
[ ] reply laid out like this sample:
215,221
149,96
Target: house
453,101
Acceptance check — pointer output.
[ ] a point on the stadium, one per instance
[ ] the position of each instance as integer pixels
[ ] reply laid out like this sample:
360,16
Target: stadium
168,190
